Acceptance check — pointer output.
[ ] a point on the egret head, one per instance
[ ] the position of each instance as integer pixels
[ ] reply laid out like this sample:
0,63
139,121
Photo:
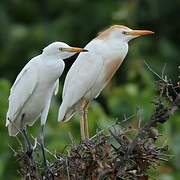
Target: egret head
61,50
122,33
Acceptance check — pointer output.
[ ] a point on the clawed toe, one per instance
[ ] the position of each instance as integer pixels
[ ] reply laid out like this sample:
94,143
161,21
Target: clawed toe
48,173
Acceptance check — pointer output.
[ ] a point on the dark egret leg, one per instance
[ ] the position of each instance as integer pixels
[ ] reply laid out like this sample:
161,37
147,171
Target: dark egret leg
47,169
28,145
42,146
29,148
27,141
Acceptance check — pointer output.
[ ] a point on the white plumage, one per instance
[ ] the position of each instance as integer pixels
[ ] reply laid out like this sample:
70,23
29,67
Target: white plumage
86,78
35,85
92,71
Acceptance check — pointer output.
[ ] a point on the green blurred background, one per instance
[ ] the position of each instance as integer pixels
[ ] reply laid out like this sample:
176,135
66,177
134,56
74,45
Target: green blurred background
26,27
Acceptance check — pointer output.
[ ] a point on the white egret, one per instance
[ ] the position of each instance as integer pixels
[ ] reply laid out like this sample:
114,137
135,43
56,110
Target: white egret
92,71
32,91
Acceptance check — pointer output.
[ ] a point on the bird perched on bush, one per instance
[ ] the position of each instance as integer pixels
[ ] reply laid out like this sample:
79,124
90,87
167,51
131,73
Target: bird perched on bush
32,91
93,70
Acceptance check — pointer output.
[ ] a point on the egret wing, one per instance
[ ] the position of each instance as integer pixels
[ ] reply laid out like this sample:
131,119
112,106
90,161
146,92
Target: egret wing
48,102
56,87
22,90
81,77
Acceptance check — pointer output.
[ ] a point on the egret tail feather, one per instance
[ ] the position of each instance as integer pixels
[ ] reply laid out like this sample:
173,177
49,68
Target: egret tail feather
12,129
65,115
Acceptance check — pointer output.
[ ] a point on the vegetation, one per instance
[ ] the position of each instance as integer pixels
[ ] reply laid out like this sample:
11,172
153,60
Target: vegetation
27,27
123,152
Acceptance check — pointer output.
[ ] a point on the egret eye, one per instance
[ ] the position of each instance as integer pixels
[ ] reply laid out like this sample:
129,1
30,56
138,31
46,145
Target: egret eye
125,32
61,49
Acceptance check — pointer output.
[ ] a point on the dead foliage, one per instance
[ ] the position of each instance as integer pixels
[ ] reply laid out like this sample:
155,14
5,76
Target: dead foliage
120,152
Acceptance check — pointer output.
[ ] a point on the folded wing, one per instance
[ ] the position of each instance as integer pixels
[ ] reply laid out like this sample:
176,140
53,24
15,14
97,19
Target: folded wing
22,90
80,79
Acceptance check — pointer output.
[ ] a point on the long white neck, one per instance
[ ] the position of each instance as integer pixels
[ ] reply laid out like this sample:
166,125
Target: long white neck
54,57
112,48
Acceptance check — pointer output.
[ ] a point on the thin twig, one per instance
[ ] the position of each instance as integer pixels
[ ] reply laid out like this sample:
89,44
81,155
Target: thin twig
36,142
12,149
154,72
163,72
67,168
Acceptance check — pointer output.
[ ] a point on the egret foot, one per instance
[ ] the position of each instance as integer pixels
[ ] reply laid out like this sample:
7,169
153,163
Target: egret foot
48,173
27,142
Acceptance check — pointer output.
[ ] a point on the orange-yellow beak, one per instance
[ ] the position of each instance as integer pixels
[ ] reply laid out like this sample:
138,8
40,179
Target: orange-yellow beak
75,49
139,32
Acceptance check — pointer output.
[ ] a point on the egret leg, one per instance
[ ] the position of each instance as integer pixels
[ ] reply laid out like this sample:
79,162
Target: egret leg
42,146
28,144
84,122
47,169
27,141
86,127
82,126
